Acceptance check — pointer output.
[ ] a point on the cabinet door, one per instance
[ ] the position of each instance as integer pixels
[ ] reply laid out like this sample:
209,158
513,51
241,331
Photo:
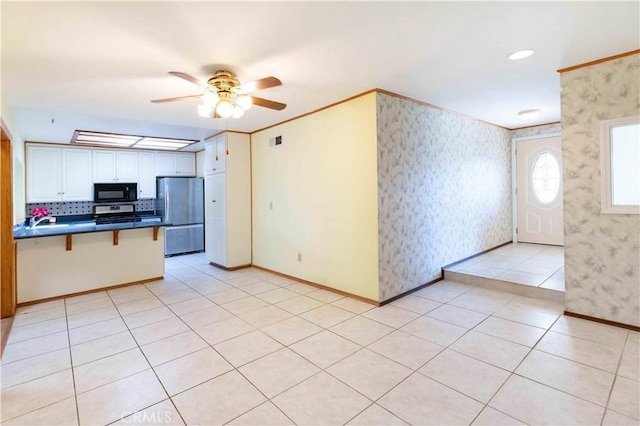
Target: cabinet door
146,175
221,154
209,155
215,200
186,164
215,242
104,166
43,182
215,222
165,164
76,175
126,166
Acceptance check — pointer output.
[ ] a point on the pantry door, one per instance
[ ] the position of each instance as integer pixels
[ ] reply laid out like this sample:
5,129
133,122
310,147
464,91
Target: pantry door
539,191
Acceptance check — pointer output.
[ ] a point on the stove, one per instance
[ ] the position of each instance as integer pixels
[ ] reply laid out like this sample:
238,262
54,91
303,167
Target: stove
115,213
117,219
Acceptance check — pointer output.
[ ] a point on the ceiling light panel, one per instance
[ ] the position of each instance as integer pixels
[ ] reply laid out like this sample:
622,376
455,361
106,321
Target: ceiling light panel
128,141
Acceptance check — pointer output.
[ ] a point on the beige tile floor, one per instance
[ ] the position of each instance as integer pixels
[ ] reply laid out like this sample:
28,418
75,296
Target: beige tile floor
534,265
205,346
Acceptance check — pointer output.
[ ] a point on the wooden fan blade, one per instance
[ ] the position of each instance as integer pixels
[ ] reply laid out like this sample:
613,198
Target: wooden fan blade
189,78
263,83
268,104
179,98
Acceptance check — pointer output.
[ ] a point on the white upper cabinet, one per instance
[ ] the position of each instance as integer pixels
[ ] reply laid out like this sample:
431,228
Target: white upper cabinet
58,174
115,166
216,155
76,175
165,164
175,164
126,166
146,175
186,164
104,166
44,171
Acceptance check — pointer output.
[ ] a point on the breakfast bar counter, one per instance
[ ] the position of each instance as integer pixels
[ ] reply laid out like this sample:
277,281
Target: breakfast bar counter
79,227
66,259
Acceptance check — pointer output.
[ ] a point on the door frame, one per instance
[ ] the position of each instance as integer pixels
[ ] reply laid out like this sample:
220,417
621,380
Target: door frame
514,177
7,244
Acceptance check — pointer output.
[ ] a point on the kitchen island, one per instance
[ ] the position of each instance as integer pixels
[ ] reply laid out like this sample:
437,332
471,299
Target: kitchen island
79,257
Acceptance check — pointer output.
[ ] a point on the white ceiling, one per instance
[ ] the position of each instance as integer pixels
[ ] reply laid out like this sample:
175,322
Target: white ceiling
96,65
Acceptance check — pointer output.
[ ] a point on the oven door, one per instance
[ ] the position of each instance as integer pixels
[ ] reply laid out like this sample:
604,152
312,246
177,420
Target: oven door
115,192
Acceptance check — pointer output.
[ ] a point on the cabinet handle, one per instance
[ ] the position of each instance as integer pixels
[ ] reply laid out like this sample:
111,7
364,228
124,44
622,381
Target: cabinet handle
213,201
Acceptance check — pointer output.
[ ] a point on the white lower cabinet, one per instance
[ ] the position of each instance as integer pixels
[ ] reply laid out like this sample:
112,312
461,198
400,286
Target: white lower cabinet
228,205
215,241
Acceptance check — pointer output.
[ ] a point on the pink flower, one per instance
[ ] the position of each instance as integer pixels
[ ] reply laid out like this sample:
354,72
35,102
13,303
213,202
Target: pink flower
40,212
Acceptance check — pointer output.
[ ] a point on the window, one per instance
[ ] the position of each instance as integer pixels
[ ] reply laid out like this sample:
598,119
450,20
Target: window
546,178
620,157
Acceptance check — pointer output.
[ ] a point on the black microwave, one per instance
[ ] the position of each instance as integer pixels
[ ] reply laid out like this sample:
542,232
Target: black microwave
115,192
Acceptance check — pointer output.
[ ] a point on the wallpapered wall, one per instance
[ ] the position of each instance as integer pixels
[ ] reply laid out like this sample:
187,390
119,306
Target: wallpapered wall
602,251
444,191
535,131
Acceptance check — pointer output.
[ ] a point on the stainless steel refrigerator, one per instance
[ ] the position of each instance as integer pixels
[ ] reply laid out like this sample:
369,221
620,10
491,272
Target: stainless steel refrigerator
180,202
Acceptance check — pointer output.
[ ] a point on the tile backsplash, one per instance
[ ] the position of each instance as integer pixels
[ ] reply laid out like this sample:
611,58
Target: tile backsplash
82,207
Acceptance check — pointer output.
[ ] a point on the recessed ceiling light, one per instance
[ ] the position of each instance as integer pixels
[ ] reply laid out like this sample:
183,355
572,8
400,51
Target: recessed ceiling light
520,54
529,114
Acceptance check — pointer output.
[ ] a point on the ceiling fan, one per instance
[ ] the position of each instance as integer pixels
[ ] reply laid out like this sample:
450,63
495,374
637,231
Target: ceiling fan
225,97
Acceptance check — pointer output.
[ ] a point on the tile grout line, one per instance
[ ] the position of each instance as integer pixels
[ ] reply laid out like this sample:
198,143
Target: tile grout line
150,367
363,347
234,368
615,378
73,376
512,373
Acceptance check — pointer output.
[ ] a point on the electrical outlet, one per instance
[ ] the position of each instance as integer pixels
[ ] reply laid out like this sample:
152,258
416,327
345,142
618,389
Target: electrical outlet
299,257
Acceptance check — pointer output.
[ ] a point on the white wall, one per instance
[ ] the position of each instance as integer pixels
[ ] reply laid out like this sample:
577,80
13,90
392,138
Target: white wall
317,195
17,144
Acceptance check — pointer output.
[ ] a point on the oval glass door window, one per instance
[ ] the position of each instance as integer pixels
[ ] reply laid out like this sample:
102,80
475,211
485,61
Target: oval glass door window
546,178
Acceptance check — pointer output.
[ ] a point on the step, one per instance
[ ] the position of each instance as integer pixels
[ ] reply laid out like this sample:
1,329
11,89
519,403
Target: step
505,286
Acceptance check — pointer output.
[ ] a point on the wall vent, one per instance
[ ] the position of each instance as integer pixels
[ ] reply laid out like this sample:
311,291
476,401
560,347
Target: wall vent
275,141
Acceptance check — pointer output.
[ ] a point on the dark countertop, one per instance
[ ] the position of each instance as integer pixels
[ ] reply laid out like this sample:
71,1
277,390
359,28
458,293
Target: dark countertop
79,227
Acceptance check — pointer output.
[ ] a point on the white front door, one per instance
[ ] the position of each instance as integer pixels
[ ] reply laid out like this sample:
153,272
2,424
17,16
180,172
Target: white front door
539,191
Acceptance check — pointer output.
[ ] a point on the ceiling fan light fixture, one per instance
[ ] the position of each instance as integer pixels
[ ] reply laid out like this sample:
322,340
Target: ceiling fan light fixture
237,112
210,98
225,97
244,102
224,109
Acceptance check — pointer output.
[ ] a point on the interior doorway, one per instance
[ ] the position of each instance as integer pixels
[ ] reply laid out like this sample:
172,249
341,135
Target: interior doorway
538,203
7,246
